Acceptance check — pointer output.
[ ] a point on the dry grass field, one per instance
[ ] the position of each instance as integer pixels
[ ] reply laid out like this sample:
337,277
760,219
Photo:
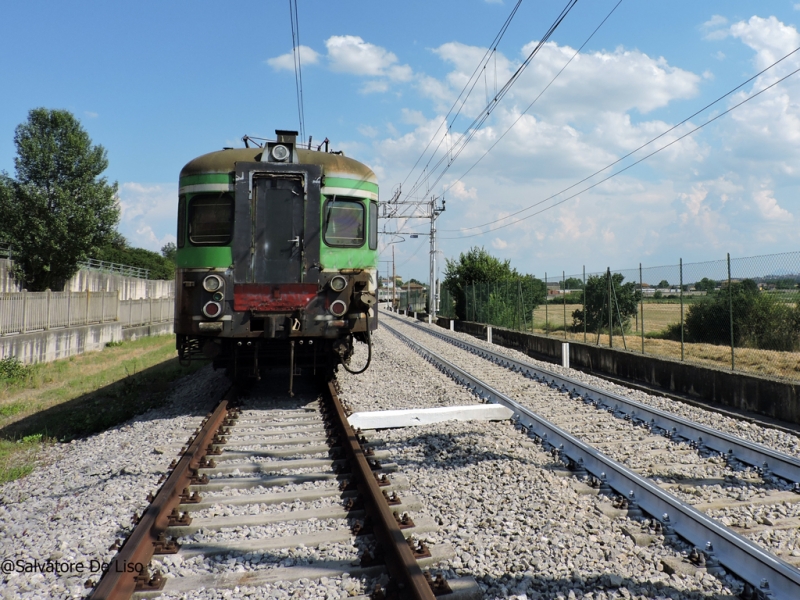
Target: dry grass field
656,316
784,365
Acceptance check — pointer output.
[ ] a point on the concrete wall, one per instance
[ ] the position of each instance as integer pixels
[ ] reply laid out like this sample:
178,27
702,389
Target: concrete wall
129,288
45,346
134,333
770,397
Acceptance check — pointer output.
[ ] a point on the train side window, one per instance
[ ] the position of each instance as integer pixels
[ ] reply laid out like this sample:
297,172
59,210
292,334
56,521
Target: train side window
181,221
344,223
373,225
211,219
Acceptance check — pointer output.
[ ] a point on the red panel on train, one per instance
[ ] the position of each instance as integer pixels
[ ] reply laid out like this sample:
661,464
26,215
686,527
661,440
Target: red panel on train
280,297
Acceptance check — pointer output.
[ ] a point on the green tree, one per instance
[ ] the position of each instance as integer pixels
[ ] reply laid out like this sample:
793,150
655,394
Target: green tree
474,266
663,284
572,283
58,210
159,266
705,285
625,298
169,251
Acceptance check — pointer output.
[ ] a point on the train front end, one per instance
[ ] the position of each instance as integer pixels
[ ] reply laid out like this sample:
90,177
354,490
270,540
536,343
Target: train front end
277,257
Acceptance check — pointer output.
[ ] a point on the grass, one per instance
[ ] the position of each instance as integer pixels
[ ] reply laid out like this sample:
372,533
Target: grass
81,395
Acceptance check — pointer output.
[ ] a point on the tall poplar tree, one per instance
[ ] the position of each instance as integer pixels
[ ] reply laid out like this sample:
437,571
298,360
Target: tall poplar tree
58,209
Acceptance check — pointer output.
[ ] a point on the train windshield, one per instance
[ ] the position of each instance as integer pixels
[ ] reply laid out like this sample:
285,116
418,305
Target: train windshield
211,219
344,223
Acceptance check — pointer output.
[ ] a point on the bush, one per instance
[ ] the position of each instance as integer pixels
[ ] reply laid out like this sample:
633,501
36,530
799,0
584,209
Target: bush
11,369
759,320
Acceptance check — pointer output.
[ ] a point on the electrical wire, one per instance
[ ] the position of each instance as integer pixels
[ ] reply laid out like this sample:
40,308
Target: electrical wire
298,72
675,141
523,113
476,76
674,127
473,128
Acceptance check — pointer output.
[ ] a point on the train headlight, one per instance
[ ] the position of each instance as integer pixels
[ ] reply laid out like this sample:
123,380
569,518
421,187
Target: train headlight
338,308
212,283
280,152
338,283
212,309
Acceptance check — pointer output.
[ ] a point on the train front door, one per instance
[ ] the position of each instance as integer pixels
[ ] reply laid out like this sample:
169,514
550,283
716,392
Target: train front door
278,240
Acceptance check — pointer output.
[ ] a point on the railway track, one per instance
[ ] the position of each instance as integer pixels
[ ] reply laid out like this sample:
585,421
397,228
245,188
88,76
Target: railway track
736,502
282,495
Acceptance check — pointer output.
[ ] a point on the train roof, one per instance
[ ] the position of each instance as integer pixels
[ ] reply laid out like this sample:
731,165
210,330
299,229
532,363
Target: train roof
223,161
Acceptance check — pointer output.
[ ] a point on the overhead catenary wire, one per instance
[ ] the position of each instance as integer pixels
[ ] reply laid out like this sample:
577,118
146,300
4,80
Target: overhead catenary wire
298,72
523,113
473,128
608,166
654,152
473,79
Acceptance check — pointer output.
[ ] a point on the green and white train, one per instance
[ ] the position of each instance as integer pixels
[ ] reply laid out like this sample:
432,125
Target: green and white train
277,256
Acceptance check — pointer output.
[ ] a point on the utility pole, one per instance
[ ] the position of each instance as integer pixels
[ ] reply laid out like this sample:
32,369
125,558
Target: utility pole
391,210
433,293
394,282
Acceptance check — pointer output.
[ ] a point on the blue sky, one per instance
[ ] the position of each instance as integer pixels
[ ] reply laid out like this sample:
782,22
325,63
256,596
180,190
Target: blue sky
158,83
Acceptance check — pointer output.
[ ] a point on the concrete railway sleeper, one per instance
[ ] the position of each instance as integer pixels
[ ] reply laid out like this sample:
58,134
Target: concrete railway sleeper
715,544
290,495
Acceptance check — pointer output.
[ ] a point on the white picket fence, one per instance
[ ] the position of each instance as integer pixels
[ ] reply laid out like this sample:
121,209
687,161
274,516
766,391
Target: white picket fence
26,312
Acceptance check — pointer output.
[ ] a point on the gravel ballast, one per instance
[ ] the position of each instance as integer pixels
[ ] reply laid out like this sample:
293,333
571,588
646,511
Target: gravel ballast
72,509
517,522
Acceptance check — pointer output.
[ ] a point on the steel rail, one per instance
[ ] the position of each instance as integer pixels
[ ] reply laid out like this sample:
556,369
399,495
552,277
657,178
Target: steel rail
759,568
119,580
400,561
751,453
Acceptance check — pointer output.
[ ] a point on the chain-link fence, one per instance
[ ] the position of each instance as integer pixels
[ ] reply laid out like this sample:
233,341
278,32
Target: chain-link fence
447,304
739,314
412,299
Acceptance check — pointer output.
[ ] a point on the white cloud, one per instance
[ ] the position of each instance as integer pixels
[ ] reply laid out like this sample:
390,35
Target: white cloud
367,131
459,190
715,28
499,244
308,56
351,54
375,86
769,207
148,213
90,114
